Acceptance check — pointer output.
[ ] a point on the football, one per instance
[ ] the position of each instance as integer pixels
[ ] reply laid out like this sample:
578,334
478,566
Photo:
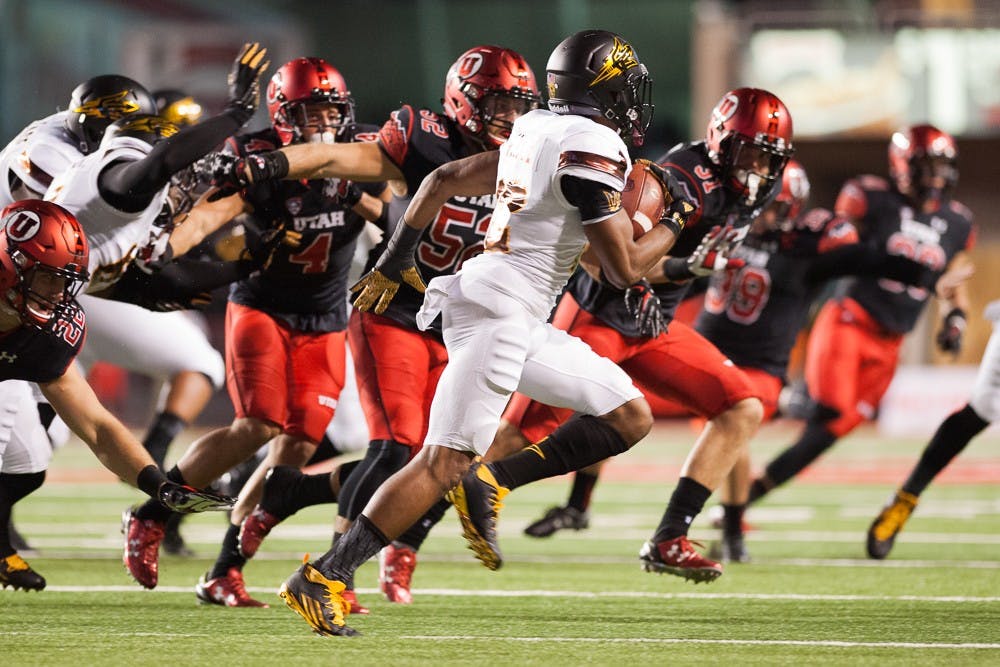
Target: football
643,199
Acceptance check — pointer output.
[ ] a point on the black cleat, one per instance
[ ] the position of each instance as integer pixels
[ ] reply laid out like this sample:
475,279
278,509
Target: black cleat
15,572
173,542
556,519
730,549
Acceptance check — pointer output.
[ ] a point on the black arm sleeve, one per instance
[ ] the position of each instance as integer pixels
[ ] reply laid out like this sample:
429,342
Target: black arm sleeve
592,198
131,186
179,281
861,260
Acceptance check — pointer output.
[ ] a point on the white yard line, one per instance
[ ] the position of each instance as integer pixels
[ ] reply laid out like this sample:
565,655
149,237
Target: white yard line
736,642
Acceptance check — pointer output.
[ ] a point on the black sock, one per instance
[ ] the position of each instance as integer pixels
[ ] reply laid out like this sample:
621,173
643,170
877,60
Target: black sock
578,443
583,487
685,504
415,535
362,541
13,487
325,450
758,488
165,428
153,508
951,437
732,519
229,554
303,491
815,440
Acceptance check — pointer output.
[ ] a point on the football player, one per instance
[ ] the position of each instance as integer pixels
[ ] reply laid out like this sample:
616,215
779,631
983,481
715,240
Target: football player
119,191
397,363
285,324
951,436
731,175
557,182
43,265
854,345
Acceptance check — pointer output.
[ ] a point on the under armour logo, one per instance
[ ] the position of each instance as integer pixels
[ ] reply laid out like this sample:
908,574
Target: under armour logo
8,357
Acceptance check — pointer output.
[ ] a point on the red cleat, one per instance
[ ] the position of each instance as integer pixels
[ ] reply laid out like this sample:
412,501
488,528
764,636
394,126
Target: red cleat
678,557
254,529
395,570
226,591
142,548
353,606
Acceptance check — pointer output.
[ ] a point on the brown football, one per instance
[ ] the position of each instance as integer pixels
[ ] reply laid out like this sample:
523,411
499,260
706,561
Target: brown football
643,199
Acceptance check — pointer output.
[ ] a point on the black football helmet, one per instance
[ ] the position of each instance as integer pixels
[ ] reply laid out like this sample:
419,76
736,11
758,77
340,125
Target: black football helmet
100,101
598,73
178,107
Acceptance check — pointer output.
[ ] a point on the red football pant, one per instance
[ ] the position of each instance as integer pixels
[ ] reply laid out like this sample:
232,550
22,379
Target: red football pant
850,361
680,365
282,376
397,370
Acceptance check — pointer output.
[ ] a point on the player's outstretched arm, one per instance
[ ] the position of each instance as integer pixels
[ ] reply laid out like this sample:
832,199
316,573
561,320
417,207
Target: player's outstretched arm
115,446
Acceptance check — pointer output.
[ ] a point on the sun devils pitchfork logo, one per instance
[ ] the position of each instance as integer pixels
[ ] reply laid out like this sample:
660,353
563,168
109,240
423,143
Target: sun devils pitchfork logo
616,63
112,106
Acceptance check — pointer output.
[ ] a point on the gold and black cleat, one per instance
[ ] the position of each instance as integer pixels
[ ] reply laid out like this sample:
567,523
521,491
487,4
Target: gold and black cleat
882,533
318,600
17,573
478,501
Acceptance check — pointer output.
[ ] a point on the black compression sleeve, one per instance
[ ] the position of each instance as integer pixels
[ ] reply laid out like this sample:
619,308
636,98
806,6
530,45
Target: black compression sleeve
592,198
131,186
862,260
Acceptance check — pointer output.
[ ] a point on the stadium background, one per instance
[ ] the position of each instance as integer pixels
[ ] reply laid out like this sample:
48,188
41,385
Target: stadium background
850,71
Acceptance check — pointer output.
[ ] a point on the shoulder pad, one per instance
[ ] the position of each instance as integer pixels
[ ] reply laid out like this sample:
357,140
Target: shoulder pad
594,152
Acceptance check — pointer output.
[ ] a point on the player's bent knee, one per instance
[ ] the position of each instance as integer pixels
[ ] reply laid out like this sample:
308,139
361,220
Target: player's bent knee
446,466
633,420
508,440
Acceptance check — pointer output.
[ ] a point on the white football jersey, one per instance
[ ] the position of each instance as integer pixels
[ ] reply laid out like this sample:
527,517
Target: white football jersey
39,153
116,237
536,237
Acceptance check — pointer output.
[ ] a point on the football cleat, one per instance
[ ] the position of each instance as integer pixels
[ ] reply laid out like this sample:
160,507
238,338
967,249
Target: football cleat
556,519
173,541
730,549
477,499
142,548
395,570
254,529
677,556
227,591
318,600
353,606
883,531
15,572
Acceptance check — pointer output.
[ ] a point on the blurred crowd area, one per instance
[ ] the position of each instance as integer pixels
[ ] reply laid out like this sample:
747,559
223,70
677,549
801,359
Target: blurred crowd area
850,71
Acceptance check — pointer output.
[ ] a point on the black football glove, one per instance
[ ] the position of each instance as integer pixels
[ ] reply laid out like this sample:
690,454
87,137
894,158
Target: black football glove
262,244
188,500
678,207
229,174
949,336
244,81
642,303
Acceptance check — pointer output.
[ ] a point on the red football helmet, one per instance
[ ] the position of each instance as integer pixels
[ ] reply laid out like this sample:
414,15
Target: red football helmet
750,138
486,89
43,261
309,93
794,193
922,162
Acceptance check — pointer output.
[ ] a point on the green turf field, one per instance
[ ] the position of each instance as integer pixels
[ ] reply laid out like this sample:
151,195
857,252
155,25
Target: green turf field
809,597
